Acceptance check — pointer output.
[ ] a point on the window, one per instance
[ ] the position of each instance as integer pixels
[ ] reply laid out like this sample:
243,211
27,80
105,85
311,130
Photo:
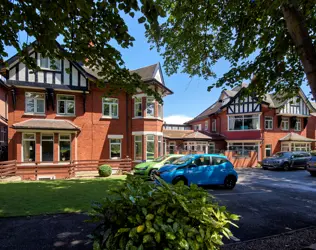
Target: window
34,103
298,126
3,134
115,148
268,122
243,148
285,124
160,111
211,148
66,104
218,160
160,145
285,147
110,107
28,147
198,127
150,149
138,111
138,147
47,147
300,146
64,147
214,125
46,63
268,150
206,125
243,122
150,107
172,147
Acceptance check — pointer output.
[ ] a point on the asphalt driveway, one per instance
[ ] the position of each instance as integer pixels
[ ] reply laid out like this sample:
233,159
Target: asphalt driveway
270,202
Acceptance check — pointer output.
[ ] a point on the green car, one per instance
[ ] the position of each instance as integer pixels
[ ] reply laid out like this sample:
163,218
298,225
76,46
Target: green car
148,169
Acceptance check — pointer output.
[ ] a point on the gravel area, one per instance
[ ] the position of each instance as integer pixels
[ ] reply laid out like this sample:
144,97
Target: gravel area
294,240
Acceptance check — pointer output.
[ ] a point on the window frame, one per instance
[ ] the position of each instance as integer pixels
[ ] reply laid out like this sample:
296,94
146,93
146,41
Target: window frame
243,122
153,101
206,125
104,101
141,147
265,123
154,141
46,134
287,121
213,125
298,121
160,110
115,143
160,145
35,112
65,105
22,146
137,101
59,140
49,64
266,148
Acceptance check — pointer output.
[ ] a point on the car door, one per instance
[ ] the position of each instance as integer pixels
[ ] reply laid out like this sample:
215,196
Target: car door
197,171
217,170
295,158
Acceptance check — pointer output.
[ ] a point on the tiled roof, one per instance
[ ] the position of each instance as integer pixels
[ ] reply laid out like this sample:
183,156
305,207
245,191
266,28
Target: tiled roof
46,124
191,135
296,137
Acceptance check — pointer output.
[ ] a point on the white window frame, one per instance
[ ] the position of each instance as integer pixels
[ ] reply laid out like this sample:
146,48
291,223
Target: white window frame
137,101
59,140
65,105
298,124
213,125
57,63
160,145
285,120
206,125
266,148
23,139
154,140
268,120
137,140
35,103
115,143
243,118
105,100
150,100
285,145
46,134
160,110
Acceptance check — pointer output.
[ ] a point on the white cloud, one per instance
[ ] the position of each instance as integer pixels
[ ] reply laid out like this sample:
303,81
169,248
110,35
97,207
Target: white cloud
177,119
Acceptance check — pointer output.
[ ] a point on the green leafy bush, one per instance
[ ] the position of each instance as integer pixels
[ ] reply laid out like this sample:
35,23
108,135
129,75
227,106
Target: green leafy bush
105,170
140,215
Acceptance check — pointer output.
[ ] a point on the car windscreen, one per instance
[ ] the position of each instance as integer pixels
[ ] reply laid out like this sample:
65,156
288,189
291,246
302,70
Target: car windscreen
183,160
160,158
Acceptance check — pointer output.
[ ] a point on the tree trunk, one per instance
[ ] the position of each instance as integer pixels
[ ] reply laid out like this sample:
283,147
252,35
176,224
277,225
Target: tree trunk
303,42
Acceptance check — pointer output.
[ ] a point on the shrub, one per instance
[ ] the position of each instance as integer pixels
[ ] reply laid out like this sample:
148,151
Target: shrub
139,215
105,170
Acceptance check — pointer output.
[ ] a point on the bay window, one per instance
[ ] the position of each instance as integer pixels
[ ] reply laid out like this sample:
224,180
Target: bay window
243,148
34,103
110,107
65,104
138,110
150,147
243,122
64,147
150,107
115,148
138,147
28,147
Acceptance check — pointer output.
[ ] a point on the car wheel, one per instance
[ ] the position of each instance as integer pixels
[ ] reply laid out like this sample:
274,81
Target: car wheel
152,174
230,182
286,166
180,179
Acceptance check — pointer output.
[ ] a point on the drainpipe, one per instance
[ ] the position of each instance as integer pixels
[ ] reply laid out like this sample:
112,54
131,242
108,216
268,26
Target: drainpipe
127,126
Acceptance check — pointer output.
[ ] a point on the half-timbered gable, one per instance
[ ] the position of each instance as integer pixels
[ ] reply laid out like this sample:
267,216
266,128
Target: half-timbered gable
295,106
242,104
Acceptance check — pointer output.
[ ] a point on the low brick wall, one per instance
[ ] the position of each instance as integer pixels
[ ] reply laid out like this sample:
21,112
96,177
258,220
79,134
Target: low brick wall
249,161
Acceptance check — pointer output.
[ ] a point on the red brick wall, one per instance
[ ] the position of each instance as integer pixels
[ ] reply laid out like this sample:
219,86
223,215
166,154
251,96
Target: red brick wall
242,162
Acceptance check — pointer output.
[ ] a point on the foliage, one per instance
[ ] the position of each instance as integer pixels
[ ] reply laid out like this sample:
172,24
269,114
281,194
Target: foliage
80,24
252,35
140,215
105,170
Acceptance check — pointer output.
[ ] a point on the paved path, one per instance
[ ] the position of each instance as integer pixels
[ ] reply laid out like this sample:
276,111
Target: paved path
269,202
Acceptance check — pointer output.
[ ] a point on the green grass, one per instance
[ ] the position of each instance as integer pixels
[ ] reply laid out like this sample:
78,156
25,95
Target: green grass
48,197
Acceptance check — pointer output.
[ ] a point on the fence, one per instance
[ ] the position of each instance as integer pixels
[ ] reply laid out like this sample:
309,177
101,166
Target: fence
59,170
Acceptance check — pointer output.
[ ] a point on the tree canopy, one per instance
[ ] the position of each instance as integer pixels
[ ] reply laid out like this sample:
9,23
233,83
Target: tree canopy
80,23
271,42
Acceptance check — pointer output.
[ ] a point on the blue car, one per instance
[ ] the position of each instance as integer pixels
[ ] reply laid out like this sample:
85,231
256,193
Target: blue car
202,169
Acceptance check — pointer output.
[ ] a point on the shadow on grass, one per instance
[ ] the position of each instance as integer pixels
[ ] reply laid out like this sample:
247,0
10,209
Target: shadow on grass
47,197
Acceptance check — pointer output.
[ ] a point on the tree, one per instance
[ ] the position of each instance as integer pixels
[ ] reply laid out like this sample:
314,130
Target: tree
271,42
87,28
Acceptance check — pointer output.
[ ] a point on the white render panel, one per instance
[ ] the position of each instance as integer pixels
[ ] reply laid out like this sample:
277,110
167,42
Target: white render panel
49,77
82,81
300,108
74,76
66,75
31,76
57,78
22,72
40,76
158,76
12,75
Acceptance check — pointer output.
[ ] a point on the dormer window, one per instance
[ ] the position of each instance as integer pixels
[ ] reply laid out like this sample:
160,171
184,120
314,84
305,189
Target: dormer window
46,63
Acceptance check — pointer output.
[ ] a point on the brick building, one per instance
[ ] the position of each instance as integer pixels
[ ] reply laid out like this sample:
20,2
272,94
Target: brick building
59,115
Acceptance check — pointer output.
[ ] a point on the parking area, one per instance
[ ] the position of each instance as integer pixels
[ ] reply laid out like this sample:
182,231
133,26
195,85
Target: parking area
270,202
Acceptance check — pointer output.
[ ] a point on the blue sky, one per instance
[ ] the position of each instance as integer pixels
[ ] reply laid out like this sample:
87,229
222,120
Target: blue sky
190,95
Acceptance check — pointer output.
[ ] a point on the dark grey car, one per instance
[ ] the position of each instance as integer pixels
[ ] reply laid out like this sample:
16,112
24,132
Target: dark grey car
286,160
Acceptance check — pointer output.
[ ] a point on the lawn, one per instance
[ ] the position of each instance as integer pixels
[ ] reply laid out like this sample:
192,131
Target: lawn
48,197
